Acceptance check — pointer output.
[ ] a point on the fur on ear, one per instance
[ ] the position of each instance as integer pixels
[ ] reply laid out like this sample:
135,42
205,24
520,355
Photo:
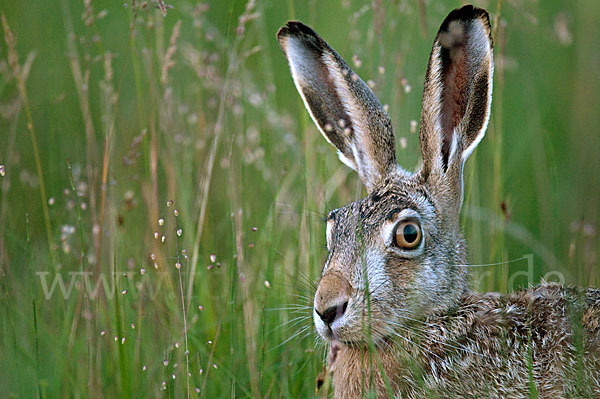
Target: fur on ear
458,91
343,107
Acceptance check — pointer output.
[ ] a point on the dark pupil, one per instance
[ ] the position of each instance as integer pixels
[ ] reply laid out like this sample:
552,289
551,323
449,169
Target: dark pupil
410,233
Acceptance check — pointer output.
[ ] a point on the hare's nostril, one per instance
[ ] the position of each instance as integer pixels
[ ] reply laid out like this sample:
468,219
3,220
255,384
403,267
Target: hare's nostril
332,313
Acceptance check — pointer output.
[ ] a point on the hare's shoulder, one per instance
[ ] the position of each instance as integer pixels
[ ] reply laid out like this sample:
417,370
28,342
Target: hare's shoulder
543,313
492,342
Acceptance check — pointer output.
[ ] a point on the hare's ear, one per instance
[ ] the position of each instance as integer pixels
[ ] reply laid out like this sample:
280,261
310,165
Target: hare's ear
345,110
458,93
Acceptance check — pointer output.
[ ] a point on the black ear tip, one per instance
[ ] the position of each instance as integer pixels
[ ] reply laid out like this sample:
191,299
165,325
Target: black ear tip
466,13
458,22
284,31
294,28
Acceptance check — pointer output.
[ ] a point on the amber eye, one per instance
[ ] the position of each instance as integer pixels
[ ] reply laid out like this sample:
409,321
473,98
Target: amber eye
408,235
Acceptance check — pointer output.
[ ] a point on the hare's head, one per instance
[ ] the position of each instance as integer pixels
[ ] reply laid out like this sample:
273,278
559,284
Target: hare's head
396,254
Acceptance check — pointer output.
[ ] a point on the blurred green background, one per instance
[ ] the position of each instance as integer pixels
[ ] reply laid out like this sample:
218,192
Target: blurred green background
164,170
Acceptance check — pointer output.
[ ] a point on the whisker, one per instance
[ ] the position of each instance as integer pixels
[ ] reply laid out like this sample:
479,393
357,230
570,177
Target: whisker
384,333
396,333
301,331
303,297
290,307
307,279
308,359
491,264
301,286
295,321
306,334
290,210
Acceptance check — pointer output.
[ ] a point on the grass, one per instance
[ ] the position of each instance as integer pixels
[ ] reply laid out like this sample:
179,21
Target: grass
163,187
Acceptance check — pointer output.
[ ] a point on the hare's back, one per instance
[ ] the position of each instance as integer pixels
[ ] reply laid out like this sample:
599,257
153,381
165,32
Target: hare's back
550,331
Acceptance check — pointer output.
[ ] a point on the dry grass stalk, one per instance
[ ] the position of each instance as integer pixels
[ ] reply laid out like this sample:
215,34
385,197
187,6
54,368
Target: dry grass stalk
168,62
13,62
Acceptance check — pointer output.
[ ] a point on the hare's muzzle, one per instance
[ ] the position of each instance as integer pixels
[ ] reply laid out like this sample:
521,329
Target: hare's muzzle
331,299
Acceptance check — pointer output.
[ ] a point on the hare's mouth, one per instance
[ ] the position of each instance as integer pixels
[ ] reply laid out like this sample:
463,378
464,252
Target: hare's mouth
335,334
334,349
331,334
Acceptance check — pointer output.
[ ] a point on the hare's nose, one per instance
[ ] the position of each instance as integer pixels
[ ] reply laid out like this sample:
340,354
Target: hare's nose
332,313
331,299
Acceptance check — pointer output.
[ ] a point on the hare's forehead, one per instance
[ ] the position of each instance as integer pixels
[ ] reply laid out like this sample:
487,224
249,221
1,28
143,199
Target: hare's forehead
382,206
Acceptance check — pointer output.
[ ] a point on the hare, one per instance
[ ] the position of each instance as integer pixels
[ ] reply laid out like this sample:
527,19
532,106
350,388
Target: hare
393,302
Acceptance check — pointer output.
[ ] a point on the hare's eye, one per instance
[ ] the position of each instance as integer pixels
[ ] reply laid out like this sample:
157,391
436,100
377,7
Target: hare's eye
408,235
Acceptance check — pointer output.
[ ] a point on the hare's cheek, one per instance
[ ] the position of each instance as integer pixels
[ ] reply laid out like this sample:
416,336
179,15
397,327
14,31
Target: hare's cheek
377,279
406,277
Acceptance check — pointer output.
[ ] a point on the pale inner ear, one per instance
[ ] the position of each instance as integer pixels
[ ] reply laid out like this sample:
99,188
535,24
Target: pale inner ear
355,125
316,85
456,83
